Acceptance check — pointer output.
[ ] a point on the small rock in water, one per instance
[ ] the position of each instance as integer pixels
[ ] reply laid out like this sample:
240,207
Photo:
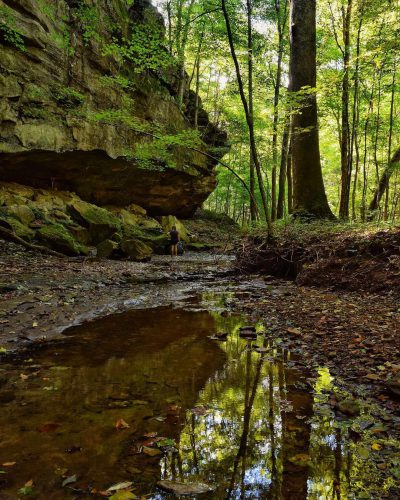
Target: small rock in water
184,489
349,407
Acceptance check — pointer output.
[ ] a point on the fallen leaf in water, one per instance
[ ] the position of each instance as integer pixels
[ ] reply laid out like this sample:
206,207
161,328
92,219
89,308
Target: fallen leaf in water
8,464
150,435
199,410
49,427
123,495
173,409
34,324
121,424
301,459
27,489
151,452
70,480
120,486
166,442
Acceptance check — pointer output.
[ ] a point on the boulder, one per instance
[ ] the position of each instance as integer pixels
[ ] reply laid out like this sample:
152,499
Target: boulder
56,237
106,248
136,250
101,223
21,212
16,227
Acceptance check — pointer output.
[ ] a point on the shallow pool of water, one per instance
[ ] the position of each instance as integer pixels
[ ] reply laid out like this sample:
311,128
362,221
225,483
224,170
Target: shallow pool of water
245,417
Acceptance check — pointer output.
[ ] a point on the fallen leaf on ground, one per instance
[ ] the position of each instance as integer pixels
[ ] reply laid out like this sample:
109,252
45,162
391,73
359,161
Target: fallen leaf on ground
121,424
294,331
151,452
8,464
70,480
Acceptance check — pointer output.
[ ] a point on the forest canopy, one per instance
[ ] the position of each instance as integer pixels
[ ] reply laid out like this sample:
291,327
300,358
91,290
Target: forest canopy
237,57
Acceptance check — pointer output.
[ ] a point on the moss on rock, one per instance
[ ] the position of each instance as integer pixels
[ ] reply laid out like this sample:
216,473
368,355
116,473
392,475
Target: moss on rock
100,222
16,227
136,250
106,249
55,236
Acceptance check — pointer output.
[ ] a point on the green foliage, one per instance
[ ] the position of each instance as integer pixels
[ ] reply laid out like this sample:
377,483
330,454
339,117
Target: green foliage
145,49
67,97
32,111
8,29
117,81
88,19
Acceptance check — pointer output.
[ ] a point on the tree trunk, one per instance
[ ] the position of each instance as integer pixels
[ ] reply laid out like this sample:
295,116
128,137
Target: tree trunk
281,24
289,178
308,185
282,169
345,136
383,183
356,117
249,117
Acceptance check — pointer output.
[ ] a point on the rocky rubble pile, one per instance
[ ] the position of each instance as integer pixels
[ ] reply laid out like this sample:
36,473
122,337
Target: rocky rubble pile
61,221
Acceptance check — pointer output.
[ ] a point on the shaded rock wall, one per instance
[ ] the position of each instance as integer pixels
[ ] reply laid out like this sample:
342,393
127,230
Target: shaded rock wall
67,122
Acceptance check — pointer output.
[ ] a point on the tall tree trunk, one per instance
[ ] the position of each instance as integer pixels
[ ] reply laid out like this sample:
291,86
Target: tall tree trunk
249,117
346,161
282,169
383,183
253,208
308,186
281,23
289,178
356,115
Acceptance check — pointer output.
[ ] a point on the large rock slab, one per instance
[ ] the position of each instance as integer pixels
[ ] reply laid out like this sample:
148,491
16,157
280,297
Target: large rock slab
67,121
101,223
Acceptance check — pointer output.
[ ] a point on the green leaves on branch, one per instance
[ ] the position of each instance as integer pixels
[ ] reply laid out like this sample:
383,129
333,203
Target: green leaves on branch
145,48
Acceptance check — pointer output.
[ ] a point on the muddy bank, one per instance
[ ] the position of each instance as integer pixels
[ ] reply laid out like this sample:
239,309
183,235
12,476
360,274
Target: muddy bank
330,256
41,295
357,336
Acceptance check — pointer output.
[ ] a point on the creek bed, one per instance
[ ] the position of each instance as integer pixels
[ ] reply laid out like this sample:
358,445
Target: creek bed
146,395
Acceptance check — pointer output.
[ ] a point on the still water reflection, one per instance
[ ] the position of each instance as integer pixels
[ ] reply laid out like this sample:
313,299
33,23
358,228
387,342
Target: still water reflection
244,417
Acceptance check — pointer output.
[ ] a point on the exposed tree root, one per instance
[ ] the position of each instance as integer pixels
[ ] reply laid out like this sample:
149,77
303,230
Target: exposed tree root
360,261
10,236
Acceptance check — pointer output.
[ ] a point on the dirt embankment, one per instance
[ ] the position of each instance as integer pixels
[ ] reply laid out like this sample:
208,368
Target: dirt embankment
331,256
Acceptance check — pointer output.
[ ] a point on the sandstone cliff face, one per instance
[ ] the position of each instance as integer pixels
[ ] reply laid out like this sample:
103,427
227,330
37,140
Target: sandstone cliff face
72,114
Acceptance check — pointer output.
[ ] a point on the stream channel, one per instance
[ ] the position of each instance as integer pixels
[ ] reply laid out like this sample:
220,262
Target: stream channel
248,418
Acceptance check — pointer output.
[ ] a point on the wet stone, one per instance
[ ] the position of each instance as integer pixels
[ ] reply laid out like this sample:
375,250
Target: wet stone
184,489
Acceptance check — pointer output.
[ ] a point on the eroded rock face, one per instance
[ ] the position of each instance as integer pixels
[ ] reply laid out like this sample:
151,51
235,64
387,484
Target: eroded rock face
70,119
